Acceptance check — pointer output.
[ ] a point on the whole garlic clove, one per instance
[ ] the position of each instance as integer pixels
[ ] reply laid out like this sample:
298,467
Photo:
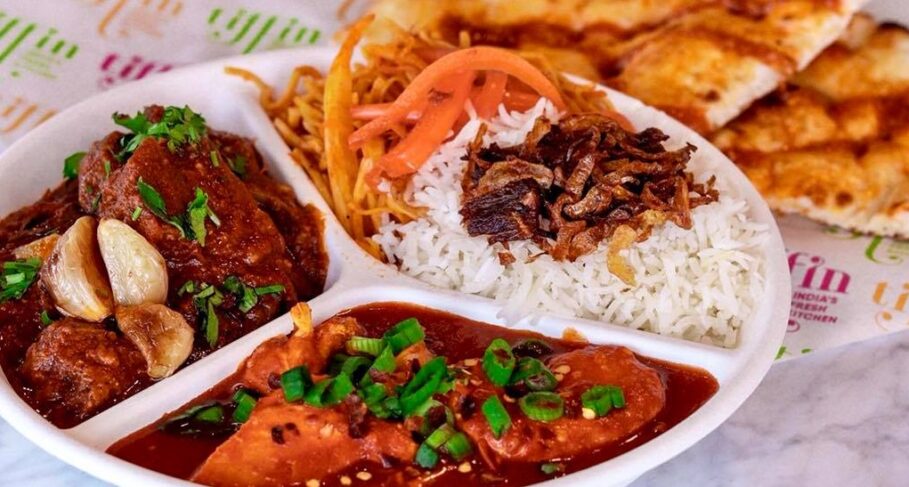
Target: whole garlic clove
40,248
137,271
74,274
160,333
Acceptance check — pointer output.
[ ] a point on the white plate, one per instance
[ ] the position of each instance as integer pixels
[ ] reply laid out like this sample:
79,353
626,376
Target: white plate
33,165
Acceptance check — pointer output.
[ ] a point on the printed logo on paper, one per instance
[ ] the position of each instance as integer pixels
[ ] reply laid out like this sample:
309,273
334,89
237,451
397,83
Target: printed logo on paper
880,250
117,68
250,30
817,289
893,300
19,115
123,18
29,48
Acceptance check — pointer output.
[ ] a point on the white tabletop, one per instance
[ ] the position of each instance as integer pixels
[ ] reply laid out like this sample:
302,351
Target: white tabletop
837,417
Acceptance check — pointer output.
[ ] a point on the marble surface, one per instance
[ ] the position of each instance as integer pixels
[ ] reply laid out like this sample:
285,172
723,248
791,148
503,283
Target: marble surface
837,417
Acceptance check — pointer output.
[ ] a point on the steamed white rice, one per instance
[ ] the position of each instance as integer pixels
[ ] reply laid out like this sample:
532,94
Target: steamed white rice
700,284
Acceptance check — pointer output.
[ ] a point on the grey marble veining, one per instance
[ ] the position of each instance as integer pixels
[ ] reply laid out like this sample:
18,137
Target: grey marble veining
838,417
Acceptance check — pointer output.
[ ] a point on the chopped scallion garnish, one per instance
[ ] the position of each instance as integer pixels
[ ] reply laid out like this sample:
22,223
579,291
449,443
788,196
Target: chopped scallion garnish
426,457
245,404
496,415
137,213
601,399
458,446
423,386
404,334
498,362
369,346
215,160
295,382
542,406
46,320
17,277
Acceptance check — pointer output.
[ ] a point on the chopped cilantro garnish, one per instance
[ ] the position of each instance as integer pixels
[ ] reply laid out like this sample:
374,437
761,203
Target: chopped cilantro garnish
248,296
192,223
96,203
211,324
206,300
238,166
71,165
18,276
137,213
177,126
155,203
273,289
45,318
187,287
197,211
215,160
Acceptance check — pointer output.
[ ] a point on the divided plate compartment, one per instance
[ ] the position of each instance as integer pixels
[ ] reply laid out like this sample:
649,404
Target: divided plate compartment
228,103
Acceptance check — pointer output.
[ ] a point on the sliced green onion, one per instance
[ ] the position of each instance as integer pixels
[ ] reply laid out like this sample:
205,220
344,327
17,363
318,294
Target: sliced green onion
458,446
496,415
295,382
369,346
187,287
341,387
356,367
552,468
245,404
314,396
542,406
526,367
424,410
211,414
441,435
424,384
136,213
273,289
498,362
385,362
46,320
601,399
618,397
542,382
426,457
404,334
214,158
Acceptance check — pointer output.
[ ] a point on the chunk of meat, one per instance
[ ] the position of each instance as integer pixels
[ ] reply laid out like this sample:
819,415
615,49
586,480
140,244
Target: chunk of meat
98,164
533,441
313,350
82,365
301,226
509,213
247,244
290,444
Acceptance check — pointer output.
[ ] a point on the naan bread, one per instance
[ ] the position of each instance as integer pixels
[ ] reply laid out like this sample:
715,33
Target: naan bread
833,144
703,61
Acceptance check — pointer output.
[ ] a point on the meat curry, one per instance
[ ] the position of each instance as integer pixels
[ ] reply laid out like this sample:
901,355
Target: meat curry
166,242
395,394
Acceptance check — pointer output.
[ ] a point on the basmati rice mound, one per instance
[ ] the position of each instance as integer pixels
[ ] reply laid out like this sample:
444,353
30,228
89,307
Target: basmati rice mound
699,284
